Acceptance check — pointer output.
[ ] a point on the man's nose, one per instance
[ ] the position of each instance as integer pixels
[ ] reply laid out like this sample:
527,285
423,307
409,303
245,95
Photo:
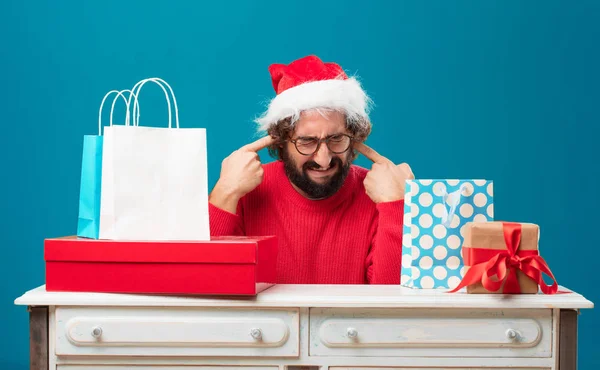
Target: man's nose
323,156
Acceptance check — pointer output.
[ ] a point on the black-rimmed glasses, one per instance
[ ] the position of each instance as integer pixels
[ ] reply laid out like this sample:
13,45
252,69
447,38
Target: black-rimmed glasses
337,144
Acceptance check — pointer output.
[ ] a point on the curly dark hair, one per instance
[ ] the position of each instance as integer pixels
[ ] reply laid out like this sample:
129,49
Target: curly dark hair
359,128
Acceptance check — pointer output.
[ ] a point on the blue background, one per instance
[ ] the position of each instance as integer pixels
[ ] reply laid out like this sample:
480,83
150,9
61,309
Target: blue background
502,90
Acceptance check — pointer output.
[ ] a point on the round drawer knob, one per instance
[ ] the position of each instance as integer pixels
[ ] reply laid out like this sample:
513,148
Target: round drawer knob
96,332
352,333
512,334
256,333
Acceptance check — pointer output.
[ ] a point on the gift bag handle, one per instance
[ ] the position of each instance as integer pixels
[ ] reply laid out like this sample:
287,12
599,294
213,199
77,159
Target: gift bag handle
447,216
119,93
156,80
112,108
136,92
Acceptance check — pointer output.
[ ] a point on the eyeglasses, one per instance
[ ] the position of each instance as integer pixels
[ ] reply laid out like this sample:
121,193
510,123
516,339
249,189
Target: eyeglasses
337,144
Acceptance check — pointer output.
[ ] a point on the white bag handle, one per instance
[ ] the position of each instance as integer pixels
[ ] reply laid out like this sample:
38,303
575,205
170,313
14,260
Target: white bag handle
159,82
126,103
447,216
119,93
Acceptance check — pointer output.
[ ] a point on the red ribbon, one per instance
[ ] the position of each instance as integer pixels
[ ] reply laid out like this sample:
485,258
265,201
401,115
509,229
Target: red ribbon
486,263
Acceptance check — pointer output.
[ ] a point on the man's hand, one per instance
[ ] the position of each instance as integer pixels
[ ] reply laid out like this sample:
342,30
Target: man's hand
386,181
241,173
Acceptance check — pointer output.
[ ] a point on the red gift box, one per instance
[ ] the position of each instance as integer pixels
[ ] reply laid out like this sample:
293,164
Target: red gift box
221,266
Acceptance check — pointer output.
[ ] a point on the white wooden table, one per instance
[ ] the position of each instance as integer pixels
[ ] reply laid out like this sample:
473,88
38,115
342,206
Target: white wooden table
331,327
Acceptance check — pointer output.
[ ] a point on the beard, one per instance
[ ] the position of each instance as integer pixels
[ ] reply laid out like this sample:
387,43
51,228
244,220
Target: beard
313,189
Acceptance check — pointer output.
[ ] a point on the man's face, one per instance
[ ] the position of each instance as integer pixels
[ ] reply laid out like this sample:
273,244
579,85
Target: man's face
322,173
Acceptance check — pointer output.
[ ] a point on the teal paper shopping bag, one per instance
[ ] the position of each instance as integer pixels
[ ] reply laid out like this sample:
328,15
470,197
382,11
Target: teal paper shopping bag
88,223
435,215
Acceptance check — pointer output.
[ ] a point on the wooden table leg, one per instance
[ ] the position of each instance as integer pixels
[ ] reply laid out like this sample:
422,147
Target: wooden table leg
567,353
38,338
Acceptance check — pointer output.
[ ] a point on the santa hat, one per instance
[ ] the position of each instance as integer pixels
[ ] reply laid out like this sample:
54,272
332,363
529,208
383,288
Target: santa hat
308,83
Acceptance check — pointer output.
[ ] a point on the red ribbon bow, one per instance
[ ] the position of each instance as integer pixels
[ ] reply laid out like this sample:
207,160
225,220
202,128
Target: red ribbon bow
486,263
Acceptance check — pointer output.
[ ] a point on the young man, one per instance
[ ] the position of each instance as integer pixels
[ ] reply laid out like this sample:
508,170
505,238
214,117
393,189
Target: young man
336,223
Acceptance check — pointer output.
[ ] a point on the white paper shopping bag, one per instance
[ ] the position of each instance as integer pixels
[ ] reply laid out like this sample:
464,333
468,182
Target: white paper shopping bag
154,180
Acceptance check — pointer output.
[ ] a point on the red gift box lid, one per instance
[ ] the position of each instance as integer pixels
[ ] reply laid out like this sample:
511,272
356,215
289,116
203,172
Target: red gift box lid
225,249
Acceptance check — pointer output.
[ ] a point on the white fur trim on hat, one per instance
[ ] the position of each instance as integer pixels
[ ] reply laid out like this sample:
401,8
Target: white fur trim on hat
345,95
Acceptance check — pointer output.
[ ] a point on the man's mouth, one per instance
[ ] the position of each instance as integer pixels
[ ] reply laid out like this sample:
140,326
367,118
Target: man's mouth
322,171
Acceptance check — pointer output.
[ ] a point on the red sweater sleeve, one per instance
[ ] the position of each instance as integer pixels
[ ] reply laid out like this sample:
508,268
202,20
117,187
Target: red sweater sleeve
385,256
223,223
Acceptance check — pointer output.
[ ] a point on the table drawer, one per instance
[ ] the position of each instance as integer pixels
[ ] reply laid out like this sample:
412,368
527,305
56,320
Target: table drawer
177,332
438,368
164,367
428,332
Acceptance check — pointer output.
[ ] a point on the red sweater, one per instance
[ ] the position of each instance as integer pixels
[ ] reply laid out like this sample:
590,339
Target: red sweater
344,239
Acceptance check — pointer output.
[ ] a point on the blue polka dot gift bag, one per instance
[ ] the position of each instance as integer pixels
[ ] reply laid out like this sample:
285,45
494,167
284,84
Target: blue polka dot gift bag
435,215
